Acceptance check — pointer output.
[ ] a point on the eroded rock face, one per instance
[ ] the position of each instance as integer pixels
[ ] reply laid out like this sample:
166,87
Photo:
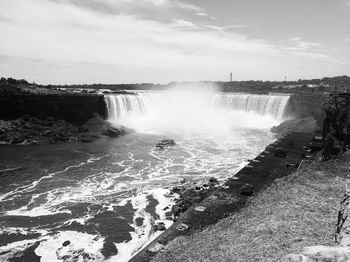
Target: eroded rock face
29,130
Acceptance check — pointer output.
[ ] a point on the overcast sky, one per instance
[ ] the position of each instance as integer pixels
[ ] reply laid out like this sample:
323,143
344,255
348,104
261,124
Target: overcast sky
129,41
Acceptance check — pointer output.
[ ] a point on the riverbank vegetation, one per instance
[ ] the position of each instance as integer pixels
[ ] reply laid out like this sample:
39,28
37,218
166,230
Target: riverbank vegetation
295,211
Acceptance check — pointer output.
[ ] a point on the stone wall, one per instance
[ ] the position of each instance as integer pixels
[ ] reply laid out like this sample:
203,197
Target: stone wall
74,108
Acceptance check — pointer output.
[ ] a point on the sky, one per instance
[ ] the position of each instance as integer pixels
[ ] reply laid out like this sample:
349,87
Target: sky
158,41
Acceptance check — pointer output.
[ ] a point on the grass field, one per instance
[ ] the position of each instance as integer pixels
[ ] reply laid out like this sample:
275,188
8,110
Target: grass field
295,211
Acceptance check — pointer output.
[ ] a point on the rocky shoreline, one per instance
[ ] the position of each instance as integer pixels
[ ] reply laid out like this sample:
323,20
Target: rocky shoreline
29,130
201,206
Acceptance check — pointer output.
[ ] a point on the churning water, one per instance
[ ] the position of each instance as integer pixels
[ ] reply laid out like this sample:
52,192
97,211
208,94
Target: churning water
98,201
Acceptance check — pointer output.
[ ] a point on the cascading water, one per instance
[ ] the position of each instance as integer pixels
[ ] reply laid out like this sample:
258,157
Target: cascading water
273,105
210,111
94,196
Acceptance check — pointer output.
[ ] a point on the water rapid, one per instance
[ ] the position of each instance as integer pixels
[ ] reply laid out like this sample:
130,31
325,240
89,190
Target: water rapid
98,201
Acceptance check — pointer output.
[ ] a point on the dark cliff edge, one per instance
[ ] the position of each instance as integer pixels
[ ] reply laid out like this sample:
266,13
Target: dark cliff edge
33,119
73,108
307,105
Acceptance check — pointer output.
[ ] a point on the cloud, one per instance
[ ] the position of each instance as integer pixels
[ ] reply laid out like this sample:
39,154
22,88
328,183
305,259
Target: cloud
65,42
184,24
160,10
302,45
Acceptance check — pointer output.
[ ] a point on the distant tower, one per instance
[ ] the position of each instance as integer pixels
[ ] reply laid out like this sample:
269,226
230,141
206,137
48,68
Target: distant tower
230,77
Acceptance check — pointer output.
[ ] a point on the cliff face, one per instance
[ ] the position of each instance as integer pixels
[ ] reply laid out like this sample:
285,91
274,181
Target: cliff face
306,105
76,109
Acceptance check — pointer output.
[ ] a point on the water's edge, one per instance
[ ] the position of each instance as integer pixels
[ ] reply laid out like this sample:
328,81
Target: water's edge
227,199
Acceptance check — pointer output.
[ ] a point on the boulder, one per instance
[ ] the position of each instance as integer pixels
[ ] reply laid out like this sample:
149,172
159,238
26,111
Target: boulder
46,132
17,139
159,226
113,132
176,190
83,129
247,190
86,139
183,181
66,243
320,254
280,152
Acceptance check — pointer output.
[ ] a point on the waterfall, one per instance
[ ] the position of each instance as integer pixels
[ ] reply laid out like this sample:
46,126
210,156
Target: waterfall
273,105
119,106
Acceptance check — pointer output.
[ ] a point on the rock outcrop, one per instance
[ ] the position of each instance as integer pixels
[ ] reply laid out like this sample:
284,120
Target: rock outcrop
338,253
29,130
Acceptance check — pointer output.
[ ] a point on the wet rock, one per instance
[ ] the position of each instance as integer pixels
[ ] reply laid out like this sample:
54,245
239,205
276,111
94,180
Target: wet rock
213,180
176,190
83,129
182,227
280,152
155,248
159,226
247,190
30,142
139,221
17,139
86,139
66,243
109,249
113,132
197,188
176,210
46,132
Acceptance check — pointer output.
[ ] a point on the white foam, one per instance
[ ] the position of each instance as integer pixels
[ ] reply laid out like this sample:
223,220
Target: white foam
35,212
14,249
27,188
51,249
143,234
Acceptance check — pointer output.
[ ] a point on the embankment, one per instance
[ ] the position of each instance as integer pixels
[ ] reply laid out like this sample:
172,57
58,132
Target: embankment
295,211
278,160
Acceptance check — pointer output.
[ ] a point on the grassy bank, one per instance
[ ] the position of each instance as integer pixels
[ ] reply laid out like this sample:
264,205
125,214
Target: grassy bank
296,211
